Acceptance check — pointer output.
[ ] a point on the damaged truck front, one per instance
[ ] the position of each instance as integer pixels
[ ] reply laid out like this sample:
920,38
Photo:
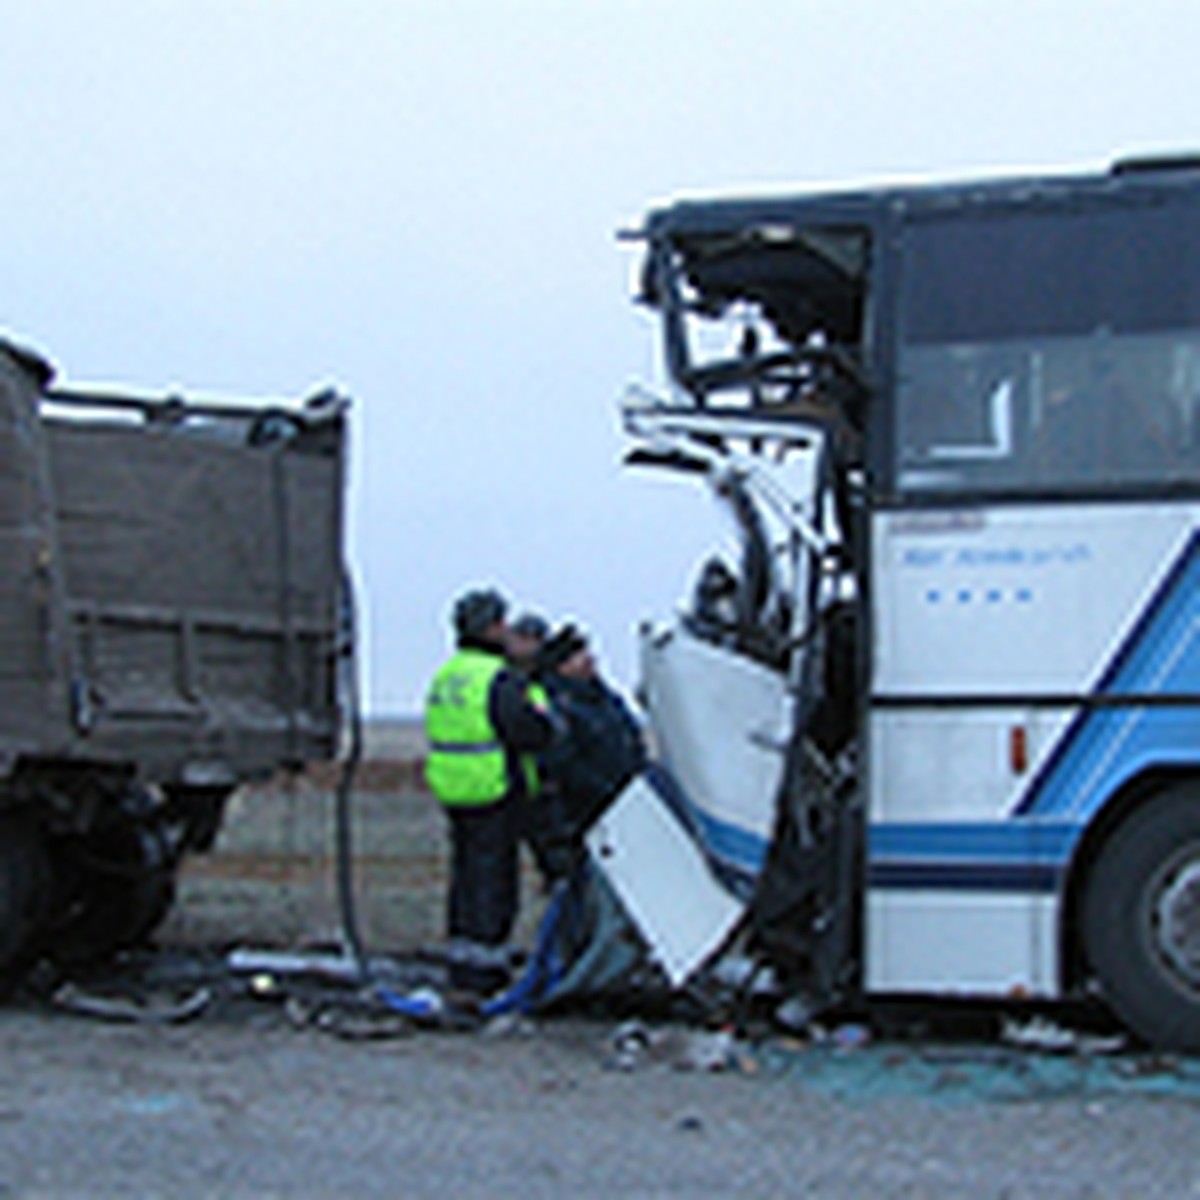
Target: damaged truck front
930,723
170,621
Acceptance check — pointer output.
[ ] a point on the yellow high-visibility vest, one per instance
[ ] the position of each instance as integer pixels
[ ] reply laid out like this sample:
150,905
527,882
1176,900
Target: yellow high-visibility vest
466,763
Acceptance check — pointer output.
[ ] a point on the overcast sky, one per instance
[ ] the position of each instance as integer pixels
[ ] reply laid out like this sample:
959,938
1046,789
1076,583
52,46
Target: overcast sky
417,201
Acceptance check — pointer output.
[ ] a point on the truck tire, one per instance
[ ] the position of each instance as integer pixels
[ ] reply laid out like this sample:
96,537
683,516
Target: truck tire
1141,920
122,892
24,880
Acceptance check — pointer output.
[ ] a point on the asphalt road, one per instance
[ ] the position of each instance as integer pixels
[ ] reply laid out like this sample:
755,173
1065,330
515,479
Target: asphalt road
253,1097
247,1105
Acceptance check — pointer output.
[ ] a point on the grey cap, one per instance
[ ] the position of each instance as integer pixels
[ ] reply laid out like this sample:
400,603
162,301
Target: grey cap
476,611
530,625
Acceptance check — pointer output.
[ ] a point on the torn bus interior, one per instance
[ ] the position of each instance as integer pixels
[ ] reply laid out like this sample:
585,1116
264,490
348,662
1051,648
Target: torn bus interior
745,828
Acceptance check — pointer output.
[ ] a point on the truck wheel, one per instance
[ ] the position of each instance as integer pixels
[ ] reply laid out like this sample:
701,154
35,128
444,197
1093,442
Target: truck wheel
122,894
1141,920
24,881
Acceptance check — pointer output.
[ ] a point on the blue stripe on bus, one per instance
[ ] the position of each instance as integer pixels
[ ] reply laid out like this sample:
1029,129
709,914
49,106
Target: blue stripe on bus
1000,856
975,840
965,877
736,855
1102,748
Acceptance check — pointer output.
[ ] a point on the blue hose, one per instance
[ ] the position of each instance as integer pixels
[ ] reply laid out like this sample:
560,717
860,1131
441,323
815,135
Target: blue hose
421,1007
544,968
542,972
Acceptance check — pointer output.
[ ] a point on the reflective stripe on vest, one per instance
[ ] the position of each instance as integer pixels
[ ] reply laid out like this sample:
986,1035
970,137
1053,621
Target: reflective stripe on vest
465,747
466,762
537,696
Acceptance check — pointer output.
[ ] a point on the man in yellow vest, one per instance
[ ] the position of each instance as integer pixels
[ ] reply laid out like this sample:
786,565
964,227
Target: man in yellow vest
481,726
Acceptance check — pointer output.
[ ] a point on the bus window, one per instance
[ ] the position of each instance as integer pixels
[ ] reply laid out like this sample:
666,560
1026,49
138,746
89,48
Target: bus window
956,415
1046,351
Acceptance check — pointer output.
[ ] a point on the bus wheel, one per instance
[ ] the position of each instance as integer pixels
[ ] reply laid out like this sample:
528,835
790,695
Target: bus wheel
1141,920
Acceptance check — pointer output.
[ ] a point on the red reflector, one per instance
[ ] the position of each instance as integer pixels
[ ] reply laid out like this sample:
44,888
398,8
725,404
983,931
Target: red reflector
1018,749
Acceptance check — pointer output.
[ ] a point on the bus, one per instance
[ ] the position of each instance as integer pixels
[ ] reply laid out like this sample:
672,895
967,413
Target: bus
934,708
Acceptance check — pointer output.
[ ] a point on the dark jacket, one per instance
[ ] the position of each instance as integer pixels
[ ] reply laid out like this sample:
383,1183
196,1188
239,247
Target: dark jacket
522,728
600,750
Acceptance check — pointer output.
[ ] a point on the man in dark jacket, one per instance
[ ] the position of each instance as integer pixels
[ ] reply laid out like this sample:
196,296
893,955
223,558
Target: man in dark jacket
602,747
482,730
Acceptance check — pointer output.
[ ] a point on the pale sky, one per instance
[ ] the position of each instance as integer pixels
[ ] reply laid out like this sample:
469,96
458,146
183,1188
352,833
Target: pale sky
417,201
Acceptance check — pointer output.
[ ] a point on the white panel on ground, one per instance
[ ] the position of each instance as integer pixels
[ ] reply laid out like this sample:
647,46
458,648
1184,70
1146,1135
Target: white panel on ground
662,881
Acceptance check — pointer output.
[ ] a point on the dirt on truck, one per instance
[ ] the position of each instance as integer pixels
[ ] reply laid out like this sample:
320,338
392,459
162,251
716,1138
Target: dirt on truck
173,617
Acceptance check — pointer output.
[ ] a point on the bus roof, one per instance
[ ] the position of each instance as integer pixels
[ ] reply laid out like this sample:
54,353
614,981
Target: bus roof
701,217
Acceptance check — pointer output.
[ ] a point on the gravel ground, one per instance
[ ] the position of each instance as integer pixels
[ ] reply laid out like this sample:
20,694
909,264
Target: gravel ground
247,1099
271,881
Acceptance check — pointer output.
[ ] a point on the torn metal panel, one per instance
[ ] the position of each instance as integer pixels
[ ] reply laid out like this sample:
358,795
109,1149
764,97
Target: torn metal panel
683,845
722,723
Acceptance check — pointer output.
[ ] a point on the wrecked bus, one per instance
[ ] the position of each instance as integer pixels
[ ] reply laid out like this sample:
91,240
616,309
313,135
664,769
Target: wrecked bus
932,715
171,604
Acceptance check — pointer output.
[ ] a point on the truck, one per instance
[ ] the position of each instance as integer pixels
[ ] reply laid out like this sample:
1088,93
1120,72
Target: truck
929,713
172,625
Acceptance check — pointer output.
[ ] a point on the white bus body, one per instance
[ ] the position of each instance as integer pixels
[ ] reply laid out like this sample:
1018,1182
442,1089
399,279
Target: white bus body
937,722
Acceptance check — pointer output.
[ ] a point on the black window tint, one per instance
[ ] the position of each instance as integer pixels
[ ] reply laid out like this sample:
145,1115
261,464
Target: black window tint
1051,350
982,276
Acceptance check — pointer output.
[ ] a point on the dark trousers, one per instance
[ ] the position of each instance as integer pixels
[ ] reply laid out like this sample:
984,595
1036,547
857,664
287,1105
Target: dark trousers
484,880
545,831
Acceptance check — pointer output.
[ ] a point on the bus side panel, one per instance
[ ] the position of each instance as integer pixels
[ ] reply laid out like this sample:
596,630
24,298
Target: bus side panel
1018,601
961,943
985,765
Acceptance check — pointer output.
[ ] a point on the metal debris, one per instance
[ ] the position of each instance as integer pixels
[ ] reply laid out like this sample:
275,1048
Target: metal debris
141,1006
633,1044
1039,1033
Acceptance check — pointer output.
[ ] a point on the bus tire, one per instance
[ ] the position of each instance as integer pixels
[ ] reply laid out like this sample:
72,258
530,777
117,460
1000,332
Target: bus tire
1141,920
